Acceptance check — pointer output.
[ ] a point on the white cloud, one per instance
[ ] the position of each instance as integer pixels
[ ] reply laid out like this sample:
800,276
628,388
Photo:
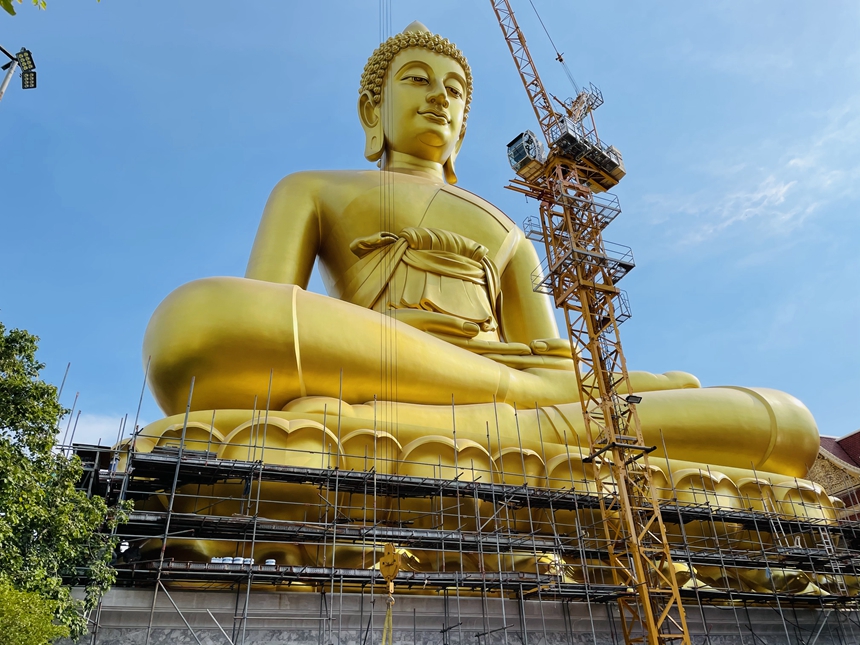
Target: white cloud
94,428
754,63
778,194
765,202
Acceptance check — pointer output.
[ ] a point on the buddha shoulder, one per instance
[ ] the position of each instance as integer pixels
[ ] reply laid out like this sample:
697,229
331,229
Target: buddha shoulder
330,190
322,183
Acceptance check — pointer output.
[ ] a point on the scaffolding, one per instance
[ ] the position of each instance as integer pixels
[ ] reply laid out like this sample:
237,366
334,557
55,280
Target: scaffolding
506,550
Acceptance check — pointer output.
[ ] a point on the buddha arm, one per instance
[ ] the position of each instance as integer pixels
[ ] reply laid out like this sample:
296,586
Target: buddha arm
526,315
288,238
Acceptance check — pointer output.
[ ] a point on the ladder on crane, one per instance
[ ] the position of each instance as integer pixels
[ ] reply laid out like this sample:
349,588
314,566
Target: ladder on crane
581,273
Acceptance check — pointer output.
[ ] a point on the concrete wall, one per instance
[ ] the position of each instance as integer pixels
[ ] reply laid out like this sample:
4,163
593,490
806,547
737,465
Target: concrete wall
295,618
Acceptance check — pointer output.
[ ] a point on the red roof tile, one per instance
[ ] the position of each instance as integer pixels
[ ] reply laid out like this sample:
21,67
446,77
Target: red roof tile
834,447
850,443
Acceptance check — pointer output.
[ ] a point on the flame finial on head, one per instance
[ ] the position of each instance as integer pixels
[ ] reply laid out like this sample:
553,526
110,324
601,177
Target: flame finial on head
418,27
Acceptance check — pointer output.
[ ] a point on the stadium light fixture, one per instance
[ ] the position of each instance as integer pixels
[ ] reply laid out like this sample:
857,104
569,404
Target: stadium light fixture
25,60
28,80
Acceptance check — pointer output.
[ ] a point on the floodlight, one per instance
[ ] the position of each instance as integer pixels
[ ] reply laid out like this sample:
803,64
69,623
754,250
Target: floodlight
25,60
28,80
632,399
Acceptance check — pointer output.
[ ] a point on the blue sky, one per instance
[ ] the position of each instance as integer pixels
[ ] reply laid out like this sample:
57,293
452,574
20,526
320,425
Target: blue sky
144,158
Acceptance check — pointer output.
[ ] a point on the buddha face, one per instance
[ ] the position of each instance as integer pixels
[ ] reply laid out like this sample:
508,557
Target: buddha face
422,108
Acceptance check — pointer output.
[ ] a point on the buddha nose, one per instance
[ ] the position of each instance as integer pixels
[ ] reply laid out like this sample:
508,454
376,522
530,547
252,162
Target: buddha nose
438,95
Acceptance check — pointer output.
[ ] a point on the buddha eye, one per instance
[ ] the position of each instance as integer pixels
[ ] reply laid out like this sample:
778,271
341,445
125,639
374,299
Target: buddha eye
417,79
455,92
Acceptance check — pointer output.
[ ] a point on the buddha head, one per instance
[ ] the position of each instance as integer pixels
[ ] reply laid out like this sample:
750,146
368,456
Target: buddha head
414,98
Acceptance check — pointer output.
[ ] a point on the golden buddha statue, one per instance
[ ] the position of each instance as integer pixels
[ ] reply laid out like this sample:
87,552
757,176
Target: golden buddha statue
431,349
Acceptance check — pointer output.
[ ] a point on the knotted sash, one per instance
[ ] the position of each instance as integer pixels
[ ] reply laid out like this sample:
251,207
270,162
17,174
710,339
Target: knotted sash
425,268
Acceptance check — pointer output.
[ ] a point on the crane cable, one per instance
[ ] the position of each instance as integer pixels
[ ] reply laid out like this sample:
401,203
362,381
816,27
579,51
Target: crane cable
558,55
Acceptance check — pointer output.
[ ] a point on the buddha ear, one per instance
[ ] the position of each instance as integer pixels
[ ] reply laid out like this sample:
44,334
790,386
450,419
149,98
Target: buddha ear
448,166
369,115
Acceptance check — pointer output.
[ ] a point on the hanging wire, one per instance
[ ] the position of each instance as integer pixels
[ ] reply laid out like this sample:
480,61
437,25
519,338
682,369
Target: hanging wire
386,404
558,55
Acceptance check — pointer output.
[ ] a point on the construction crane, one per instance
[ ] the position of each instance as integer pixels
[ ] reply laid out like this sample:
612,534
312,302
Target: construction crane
580,273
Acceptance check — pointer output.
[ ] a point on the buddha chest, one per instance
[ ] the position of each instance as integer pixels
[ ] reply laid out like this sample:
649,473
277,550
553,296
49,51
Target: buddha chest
394,202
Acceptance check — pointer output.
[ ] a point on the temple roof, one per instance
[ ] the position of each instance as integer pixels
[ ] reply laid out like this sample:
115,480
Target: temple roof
846,449
838,467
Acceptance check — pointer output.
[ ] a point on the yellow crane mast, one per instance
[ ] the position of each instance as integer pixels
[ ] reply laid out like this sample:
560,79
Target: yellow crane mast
581,274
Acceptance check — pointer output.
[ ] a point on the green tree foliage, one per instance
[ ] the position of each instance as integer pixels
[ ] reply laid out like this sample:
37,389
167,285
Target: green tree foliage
26,618
49,532
9,7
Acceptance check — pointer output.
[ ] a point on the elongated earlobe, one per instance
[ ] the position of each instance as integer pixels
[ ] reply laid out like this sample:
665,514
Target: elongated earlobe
374,144
450,174
448,166
374,137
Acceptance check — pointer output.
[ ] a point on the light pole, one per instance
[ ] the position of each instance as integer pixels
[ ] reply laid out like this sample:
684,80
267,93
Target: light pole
12,67
24,59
